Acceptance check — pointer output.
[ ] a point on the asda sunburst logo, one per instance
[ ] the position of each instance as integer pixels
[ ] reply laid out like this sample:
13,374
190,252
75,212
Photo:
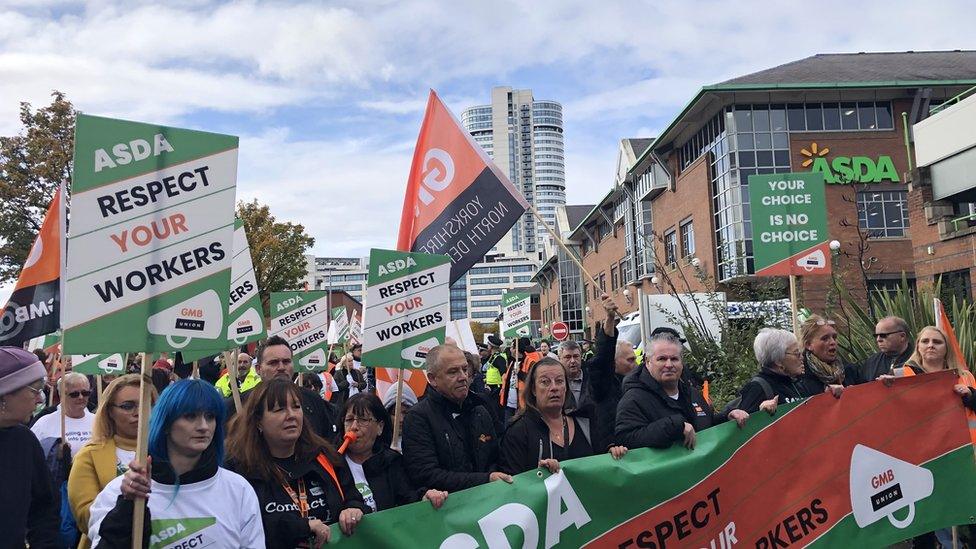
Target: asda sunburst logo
813,153
848,169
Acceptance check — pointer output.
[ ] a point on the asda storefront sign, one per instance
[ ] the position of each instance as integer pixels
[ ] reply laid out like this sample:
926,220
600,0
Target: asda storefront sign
849,169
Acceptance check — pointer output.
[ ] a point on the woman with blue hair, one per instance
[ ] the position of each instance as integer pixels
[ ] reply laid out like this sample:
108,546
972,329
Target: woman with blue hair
193,499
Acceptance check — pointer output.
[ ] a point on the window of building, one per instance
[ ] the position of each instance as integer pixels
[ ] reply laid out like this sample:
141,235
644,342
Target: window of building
614,278
522,278
603,285
670,248
625,274
491,303
954,285
687,230
889,286
883,214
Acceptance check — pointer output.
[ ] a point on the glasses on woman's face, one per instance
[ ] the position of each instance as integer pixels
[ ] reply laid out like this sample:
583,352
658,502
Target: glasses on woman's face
355,419
546,382
797,354
826,323
127,406
36,388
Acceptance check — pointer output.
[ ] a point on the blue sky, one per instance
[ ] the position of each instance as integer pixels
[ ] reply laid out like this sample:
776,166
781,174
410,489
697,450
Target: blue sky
327,96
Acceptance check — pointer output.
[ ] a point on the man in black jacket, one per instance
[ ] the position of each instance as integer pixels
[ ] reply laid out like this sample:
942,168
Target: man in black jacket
275,361
590,386
449,438
894,349
658,409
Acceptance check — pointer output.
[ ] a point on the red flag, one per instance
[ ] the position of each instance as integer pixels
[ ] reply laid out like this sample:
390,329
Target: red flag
942,323
34,306
458,203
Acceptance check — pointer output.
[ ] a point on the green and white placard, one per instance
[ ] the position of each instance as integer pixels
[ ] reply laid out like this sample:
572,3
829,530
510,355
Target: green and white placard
408,304
245,319
789,224
105,364
152,228
302,319
340,325
516,313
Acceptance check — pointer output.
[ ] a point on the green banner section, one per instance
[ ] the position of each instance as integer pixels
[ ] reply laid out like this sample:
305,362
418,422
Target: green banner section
879,465
516,312
789,224
149,254
302,319
408,305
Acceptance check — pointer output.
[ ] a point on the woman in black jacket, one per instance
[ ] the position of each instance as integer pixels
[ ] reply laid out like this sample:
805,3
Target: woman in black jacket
541,433
824,370
780,365
348,380
302,484
376,469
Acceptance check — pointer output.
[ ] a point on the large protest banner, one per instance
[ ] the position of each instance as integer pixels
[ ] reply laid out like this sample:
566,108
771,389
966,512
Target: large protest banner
34,307
458,203
516,314
879,465
151,243
789,224
408,305
302,319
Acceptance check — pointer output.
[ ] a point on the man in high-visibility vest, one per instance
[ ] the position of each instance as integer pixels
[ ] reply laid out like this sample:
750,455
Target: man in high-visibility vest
247,378
495,366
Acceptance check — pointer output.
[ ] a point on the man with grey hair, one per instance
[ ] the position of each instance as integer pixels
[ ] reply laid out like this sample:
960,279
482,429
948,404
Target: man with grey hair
78,420
449,437
657,409
894,349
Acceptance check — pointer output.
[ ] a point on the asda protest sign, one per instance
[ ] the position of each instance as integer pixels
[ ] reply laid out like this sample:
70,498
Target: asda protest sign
245,317
152,227
516,311
301,318
94,364
339,327
408,304
879,465
789,224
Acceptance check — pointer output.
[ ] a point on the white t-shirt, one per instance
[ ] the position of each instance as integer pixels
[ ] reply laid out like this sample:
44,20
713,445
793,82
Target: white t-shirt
77,431
359,477
221,511
353,388
333,387
122,459
512,401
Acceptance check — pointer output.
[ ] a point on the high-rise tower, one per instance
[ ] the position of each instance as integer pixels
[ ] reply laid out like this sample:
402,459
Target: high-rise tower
525,139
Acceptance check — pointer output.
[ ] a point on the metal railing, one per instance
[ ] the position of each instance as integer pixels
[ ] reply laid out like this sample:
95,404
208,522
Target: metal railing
952,101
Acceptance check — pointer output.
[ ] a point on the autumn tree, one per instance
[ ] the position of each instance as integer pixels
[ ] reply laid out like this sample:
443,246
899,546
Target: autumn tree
277,250
33,164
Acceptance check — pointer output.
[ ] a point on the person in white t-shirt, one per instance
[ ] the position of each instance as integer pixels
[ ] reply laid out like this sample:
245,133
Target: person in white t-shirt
377,470
78,421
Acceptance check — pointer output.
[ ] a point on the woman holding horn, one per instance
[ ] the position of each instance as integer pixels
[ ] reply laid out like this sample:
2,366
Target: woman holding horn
190,497
302,483
377,469
112,447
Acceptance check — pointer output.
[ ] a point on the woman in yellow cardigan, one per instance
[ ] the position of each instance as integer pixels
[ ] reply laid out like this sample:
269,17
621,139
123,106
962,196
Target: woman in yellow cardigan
112,447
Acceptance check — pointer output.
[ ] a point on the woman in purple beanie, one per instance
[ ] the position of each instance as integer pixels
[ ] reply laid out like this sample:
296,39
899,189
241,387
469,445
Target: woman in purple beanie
27,509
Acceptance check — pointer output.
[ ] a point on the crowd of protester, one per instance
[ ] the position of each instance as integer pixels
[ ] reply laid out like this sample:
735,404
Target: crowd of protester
299,457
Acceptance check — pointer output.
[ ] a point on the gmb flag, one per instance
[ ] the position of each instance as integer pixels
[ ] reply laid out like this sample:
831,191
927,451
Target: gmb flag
458,203
34,306
879,465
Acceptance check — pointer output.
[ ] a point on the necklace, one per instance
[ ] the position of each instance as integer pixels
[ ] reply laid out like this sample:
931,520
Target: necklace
559,435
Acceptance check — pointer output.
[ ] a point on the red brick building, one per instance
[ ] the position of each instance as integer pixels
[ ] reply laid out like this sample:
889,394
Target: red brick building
680,209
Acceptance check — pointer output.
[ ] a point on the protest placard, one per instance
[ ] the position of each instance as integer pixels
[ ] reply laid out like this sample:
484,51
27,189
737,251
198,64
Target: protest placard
408,305
301,319
152,226
516,311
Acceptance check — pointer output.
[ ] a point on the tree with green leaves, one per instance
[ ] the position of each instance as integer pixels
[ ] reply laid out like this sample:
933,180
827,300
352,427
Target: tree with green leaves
33,164
277,250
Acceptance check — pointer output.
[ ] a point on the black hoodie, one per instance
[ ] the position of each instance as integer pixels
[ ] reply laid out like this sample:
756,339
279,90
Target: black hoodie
782,385
648,418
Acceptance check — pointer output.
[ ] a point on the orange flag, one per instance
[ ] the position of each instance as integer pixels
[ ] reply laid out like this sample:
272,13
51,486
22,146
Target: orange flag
942,323
458,203
35,304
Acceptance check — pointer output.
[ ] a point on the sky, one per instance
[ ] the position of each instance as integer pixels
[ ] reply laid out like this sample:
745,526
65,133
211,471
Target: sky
327,97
